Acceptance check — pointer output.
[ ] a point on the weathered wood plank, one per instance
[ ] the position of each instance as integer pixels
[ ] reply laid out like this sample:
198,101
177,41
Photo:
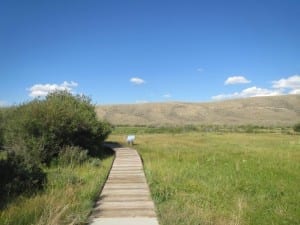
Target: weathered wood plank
126,193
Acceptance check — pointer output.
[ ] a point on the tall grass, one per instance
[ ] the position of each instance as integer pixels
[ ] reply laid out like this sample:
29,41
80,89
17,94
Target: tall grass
127,129
68,199
229,179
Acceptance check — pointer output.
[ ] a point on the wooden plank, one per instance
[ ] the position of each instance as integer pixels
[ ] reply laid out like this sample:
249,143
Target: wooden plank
126,192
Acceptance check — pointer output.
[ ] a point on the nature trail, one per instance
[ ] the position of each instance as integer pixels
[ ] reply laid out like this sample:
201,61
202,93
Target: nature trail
125,198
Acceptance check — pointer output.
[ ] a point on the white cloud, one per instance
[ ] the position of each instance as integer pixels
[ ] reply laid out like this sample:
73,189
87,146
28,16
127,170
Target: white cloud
255,92
200,70
167,95
292,82
249,92
220,97
137,80
141,101
295,92
236,80
42,90
3,103
290,85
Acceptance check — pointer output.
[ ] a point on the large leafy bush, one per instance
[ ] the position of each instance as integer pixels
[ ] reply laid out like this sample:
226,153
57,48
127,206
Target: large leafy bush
1,128
40,129
61,126
18,177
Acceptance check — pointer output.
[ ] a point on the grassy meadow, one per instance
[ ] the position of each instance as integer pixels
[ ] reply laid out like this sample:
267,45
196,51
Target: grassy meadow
68,198
199,178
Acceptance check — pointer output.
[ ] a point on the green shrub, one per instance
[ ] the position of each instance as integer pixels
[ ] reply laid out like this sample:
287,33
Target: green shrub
61,127
297,127
18,177
42,127
1,128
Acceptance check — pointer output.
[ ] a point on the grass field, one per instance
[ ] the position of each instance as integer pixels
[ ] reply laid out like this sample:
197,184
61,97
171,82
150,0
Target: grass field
229,179
68,199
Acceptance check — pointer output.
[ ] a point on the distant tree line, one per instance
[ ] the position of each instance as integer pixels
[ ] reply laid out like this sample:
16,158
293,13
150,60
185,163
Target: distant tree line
36,133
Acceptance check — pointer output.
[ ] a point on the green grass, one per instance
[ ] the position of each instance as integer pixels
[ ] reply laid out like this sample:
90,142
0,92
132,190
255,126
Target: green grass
68,199
229,179
127,129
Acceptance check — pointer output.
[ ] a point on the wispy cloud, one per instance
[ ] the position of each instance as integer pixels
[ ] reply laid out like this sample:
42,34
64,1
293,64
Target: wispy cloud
249,92
167,95
42,90
236,80
137,80
3,103
200,70
141,101
292,83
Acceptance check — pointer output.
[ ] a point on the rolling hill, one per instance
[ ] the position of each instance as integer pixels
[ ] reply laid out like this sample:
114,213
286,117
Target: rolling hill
266,111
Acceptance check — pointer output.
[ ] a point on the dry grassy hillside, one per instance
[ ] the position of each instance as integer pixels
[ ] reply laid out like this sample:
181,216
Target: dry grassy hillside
277,110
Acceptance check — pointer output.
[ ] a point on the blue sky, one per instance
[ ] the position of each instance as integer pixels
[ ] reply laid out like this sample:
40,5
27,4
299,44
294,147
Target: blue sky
131,51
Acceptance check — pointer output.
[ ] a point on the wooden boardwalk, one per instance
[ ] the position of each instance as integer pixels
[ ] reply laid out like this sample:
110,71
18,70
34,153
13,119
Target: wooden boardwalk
125,198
